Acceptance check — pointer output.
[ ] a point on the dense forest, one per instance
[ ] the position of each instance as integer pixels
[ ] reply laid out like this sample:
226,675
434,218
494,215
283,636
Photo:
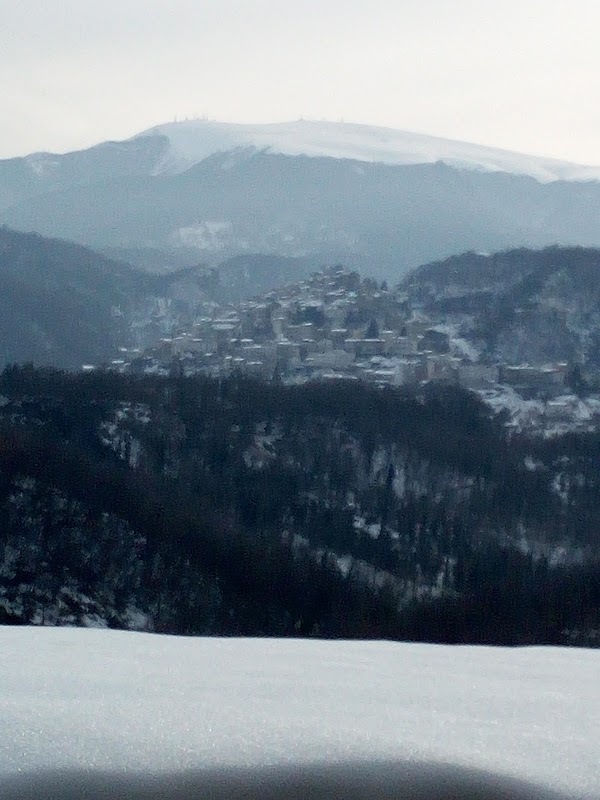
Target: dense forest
333,509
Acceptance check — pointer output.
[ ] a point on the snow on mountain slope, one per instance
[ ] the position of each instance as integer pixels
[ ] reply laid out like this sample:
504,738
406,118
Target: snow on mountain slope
192,141
114,700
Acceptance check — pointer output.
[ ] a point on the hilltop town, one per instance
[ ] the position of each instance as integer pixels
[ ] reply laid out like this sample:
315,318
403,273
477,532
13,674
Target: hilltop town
336,326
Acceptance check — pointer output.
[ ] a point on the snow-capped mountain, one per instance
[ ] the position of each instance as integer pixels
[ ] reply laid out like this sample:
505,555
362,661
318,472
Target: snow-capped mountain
380,200
192,141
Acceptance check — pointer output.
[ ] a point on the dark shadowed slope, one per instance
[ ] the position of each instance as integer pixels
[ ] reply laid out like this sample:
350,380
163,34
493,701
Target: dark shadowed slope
61,303
24,178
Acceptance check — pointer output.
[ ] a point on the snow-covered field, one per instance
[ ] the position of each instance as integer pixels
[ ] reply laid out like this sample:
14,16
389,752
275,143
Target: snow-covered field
194,140
113,700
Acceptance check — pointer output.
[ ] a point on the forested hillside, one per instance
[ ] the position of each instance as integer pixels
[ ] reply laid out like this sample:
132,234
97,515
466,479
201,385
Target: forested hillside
61,303
533,306
234,506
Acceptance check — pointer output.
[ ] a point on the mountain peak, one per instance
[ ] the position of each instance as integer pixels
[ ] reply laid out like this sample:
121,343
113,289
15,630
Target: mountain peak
192,141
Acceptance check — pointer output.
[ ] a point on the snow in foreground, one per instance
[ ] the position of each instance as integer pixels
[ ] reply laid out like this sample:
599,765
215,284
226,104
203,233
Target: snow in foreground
112,700
194,140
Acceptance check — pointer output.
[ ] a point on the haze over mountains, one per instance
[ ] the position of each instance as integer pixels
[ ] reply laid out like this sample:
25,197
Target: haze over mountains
378,199
64,304
304,414
333,463
61,303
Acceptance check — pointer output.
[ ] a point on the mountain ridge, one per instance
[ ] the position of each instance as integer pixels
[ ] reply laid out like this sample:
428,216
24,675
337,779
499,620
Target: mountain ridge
382,218
191,141
176,146
207,192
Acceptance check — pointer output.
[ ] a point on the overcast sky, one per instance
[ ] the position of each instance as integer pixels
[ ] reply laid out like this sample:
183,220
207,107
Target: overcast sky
519,74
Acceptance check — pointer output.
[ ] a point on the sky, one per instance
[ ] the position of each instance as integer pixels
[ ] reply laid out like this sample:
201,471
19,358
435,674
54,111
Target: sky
518,74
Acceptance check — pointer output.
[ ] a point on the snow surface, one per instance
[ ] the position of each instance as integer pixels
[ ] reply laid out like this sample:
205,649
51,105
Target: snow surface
549,418
114,700
194,140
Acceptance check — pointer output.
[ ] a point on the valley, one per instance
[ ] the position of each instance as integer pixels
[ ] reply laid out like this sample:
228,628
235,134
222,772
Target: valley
263,443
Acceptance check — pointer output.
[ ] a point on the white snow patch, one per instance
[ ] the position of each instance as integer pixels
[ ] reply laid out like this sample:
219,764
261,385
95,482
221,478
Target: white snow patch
205,235
263,450
532,464
345,565
42,165
464,349
548,418
194,140
141,702
372,529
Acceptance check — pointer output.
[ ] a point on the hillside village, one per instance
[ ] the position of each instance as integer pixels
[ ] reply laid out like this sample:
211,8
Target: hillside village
335,325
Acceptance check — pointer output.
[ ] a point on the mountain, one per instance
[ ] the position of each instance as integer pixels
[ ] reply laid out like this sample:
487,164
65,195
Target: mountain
40,173
176,146
246,275
381,200
518,306
61,303
194,140
153,259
